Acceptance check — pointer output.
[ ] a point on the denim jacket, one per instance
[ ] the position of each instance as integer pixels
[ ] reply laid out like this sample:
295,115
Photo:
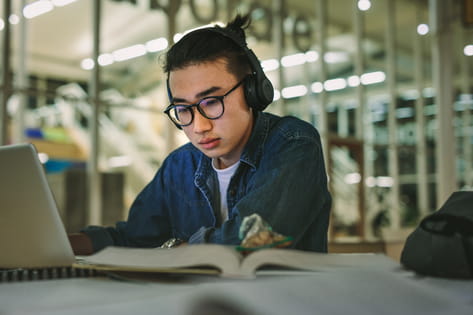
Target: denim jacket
281,177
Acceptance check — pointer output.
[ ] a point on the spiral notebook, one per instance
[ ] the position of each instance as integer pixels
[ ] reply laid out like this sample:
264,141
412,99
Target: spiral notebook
32,234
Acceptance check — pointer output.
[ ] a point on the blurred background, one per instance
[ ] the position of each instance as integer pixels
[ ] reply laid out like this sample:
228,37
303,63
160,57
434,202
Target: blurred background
387,83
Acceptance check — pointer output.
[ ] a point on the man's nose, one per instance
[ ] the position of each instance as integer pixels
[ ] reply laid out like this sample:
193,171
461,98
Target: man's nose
201,123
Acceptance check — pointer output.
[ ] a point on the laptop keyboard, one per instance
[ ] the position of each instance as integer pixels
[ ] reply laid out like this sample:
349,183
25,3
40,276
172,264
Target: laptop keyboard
35,274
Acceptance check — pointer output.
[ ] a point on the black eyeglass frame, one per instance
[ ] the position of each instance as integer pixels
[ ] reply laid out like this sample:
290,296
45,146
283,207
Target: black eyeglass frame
197,105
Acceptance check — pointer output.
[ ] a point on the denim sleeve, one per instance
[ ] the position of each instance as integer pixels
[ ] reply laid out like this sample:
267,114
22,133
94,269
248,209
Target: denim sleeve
102,237
147,224
289,191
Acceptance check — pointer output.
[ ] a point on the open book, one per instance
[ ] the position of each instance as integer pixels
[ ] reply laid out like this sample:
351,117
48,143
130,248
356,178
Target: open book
222,260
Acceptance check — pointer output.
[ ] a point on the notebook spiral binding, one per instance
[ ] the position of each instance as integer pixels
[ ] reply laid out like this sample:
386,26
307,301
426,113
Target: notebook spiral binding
20,274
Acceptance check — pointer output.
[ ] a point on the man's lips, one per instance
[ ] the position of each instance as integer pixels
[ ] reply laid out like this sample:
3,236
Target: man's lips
209,143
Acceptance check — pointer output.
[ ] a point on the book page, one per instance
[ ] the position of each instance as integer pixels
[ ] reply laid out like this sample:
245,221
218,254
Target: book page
312,261
223,258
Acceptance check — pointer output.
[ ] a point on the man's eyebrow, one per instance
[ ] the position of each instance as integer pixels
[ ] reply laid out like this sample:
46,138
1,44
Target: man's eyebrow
199,95
208,92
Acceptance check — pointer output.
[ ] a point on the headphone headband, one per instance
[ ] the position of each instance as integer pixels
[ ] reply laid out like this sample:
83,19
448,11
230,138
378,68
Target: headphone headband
259,91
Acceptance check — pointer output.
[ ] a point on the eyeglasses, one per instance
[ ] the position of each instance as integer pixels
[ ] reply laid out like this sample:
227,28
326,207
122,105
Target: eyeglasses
211,107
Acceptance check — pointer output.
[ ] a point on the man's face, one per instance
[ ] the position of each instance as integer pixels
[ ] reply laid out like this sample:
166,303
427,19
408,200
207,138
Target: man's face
222,139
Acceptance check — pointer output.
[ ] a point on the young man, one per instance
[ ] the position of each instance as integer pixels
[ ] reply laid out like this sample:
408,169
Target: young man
240,161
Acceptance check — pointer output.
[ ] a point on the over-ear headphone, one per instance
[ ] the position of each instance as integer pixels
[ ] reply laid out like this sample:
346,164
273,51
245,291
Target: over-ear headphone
259,91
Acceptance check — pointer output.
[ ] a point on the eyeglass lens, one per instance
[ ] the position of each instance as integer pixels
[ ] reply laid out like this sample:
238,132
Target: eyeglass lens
211,108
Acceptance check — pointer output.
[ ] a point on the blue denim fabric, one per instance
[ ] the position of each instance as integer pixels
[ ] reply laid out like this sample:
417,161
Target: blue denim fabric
281,177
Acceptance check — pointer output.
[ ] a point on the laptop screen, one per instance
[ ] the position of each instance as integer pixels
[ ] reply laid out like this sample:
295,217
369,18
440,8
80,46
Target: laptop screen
32,234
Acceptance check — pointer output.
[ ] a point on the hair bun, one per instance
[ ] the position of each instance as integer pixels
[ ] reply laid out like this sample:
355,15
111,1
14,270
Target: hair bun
238,25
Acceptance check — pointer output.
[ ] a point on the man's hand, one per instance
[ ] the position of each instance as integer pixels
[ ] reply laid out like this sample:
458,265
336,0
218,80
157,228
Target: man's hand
81,244
173,242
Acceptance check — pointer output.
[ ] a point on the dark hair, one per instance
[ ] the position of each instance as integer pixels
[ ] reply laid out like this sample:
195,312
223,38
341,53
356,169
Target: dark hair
203,45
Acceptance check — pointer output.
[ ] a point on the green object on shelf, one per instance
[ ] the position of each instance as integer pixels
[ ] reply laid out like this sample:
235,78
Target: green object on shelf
56,134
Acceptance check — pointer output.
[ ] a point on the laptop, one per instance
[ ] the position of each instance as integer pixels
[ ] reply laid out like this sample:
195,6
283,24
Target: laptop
32,234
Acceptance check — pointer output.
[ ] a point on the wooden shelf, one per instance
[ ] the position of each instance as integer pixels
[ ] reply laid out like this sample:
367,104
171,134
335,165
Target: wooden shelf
57,150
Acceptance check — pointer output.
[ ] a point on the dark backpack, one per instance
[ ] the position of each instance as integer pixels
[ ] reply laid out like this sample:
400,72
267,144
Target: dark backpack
442,244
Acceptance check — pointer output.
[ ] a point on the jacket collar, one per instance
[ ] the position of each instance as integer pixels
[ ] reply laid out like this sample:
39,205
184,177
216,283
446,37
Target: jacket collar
253,150
254,147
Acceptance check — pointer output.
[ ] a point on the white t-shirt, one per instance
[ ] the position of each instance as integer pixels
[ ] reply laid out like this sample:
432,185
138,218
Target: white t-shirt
224,176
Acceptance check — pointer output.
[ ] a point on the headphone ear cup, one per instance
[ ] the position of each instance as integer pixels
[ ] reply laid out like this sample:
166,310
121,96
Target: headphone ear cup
258,94
265,92
250,91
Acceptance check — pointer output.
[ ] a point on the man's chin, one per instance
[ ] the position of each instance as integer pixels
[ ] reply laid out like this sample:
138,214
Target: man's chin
212,154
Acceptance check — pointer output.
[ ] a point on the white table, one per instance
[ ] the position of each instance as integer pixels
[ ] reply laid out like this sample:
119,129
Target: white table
386,289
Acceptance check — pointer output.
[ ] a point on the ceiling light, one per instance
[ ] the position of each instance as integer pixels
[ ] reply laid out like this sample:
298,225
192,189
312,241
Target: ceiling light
177,37
37,8
294,91
317,87
14,19
373,77
87,64
364,5
335,84
61,3
129,52
293,60
353,80
352,178
468,50
422,29
270,64
105,59
277,95
311,56
157,44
